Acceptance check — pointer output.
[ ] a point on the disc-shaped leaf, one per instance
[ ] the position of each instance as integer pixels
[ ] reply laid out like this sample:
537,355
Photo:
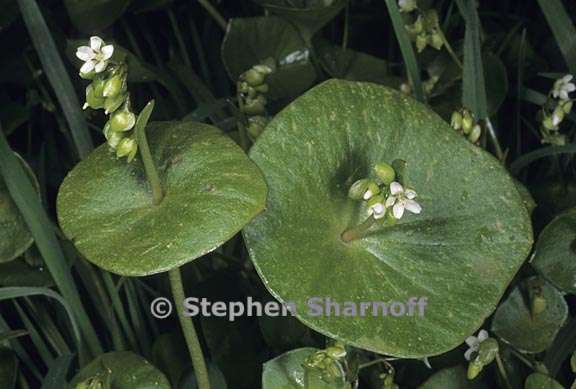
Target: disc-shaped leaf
91,15
15,238
541,381
249,41
460,253
287,372
211,190
515,323
555,254
308,15
452,378
122,370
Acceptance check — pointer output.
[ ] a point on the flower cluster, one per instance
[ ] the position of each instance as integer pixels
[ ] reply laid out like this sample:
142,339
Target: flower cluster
108,90
329,363
557,106
386,195
425,29
482,350
464,122
252,89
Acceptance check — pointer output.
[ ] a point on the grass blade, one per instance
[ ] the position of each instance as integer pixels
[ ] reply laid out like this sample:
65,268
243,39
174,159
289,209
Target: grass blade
406,49
24,195
563,30
535,155
57,75
474,87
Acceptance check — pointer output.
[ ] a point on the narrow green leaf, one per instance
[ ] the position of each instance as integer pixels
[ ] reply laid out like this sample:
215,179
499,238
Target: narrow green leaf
562,28
14,292
406,49
12,334
20,351
25,197
535,155
40,345
473,88
57,75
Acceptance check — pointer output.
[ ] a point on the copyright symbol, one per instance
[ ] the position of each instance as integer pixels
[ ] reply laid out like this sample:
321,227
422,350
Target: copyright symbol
161,308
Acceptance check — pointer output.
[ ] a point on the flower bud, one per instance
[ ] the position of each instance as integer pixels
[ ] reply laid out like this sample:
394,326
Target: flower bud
474,368
254,77
111,104
336,352
558,115
435,40
112,137
122,120
114,86
127,147
538,305
256,124
264,88
467,122
93,98
475,133
566,106
256,106
548,123
405,88
357,190
90,383
407,6
385,172
421,42
456,120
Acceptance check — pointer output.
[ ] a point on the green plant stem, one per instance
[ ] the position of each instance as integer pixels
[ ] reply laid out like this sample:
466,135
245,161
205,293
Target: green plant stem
149,165
359,231
502,370
218,18
242,122
494,138
451,51
190,334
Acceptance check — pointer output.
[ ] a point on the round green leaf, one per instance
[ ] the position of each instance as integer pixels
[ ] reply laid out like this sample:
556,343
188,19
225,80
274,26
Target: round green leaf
91,15
8,368
514,323
123,370
287,372
308,15
555,254
249,41
211,191
460,253
541,381
15,238
452,378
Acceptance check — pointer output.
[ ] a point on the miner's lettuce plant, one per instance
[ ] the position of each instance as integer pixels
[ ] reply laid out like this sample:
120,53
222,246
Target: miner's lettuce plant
279,150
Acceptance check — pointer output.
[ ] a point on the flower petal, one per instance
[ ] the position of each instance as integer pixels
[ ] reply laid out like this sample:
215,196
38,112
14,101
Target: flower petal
379,215
85,53
410,194
398,210
100,66
96,43
396,188
570,87
468,354
107,51
367,195
567,78
413,206
88,66
483,335
390,201
472,341
378,208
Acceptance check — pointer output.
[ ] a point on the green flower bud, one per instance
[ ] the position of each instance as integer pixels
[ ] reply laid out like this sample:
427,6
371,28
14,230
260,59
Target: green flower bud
474,368
376,199
487,351
566,106
538,305
256,106
467,122
122,120
264,88
256,125
265,68
385,172
115,85
405,88
456,120
336,352
418,26
475,133
548,123
112,137
111,104
254,77
357,190
90,383
127,147
93,98
421,42
435,40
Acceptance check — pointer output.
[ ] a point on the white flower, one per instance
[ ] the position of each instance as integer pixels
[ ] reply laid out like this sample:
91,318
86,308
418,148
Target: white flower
96,56
378,210
401,199
473,343
407,5
368,194
562,87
